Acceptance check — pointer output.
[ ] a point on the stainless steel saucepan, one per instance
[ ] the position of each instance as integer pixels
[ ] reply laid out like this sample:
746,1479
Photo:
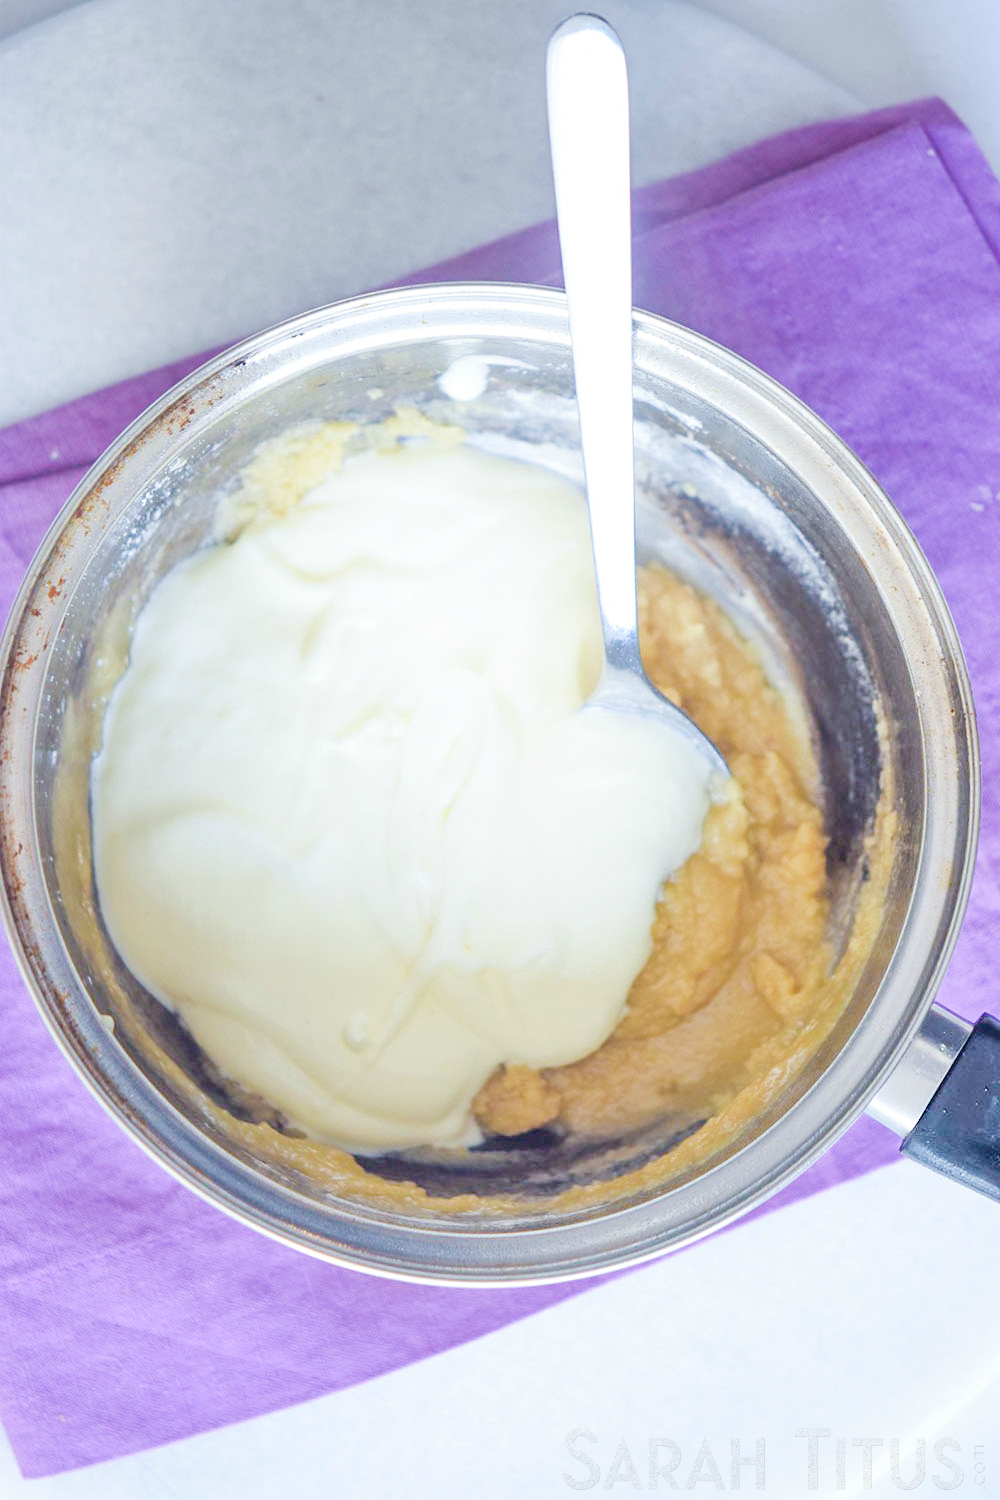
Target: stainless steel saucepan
739,488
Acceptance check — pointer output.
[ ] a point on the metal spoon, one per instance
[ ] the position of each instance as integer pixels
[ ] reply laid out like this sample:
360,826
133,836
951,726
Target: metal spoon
587,89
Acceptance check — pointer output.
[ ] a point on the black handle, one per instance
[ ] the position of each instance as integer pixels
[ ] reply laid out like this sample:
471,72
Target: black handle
959,1131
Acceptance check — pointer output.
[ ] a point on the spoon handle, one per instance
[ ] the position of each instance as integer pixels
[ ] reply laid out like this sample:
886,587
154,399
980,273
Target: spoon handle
587,91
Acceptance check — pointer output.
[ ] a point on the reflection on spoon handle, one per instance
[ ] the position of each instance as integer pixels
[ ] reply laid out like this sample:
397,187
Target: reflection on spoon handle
587,89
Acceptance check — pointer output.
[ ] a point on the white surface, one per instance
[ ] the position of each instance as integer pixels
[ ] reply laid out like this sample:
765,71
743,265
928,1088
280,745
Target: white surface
890,50
865,1310
17,14
179,172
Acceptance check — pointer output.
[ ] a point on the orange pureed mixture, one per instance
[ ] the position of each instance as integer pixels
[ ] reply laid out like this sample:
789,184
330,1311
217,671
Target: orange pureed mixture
739,953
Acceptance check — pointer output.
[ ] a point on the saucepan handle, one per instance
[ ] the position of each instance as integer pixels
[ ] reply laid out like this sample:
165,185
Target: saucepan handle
944,1099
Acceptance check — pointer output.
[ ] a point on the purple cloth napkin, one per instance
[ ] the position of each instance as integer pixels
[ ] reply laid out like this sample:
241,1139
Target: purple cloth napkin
858,263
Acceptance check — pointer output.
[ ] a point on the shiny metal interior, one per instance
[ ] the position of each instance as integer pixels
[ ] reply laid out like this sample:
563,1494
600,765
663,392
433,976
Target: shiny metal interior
742,491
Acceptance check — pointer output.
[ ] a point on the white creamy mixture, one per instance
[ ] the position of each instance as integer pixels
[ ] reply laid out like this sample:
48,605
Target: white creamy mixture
348,819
